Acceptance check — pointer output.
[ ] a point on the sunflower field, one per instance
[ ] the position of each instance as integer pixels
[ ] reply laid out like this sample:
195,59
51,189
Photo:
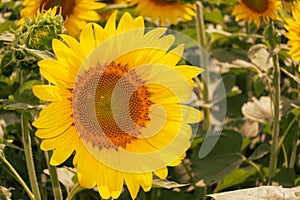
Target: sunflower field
149,99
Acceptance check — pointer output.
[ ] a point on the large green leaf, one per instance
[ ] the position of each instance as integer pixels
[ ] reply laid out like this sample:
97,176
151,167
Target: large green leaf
236,177
223,158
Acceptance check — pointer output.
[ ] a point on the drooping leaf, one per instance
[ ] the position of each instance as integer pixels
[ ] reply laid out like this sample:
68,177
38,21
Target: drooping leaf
159,183
260,151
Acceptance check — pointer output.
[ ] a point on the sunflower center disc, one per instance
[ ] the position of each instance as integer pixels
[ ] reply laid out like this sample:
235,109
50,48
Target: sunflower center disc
67,6
258,6
99,112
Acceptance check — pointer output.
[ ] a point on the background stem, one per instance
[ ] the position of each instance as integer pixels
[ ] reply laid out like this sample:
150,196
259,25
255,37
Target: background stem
54,178
17,176
203,61
276,105
29,157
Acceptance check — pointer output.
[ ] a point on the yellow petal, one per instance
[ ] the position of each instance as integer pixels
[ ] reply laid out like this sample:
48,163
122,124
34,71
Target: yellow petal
54,131
55,142
188,72
66,56
146,181
110,27
51,93
133,183
63,153
74,45
57,74
55,114
91,35
162,173
87,170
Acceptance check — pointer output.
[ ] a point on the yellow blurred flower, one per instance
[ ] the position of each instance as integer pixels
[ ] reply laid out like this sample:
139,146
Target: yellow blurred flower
292,26
76,13
165,12
257,10
116,101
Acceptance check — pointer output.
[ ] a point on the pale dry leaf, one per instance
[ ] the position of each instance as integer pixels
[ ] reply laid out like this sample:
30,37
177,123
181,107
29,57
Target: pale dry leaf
249,129
65,176
259,110
259,55
2,127
259,193
6,191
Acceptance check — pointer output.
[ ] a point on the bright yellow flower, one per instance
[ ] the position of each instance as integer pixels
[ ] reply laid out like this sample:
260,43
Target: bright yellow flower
165,12
257,10
76,13
116,101
104,15
293,32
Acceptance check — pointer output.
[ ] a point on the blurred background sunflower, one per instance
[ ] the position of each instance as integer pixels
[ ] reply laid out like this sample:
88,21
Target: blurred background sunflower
292,26
76,13
257,10
164,12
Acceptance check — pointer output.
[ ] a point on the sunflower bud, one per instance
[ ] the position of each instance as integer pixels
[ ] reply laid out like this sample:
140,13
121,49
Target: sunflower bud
42,29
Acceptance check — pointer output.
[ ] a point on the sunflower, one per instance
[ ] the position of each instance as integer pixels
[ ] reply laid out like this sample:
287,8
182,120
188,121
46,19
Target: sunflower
256,10
74,12
111,7
116,101
165,12
292,26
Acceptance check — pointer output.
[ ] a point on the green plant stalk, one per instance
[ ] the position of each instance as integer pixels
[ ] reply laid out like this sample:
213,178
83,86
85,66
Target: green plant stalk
287,130
203,58
29,157
276,103
256,167
285,157
189,173
294,145
77,188
54,178
17,176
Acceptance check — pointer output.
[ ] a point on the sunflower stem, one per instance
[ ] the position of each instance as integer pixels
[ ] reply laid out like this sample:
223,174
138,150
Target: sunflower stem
29,157
54,178
203,60
294,145
17,176
188,171
276,105
77,188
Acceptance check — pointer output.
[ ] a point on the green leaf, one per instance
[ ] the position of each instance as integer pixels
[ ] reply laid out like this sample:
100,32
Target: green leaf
259,86
285,177
169,194
224,157
24,93
260,151
236,177
43,55
214,17
159,183
7,26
